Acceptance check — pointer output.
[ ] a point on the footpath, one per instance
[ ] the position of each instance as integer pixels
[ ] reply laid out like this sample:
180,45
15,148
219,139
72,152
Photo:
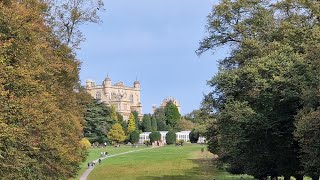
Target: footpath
88,171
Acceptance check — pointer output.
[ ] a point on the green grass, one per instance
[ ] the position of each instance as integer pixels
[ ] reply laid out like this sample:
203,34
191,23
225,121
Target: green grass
168,162
94,154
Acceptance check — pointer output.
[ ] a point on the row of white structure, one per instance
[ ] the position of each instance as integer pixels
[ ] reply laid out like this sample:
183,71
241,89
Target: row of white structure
182,135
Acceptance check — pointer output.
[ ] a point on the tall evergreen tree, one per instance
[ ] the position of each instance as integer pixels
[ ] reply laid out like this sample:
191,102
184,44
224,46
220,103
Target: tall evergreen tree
146,123
154,124
131,124
172,116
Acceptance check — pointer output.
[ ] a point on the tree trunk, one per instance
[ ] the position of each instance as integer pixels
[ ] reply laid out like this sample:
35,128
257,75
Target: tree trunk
315,177
299,177
286,177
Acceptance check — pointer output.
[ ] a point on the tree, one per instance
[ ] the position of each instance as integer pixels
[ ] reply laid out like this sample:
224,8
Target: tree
116,133
137,120
134,137
85,143
154,124
98,122
154,136
172,115
171,137
146,123
185,124
131,124
160,117
66,17
263,84
194,136
307,132
114,113
41,112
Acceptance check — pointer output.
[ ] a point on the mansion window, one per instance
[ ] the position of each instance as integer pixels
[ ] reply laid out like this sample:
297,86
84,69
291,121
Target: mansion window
98,95
131,98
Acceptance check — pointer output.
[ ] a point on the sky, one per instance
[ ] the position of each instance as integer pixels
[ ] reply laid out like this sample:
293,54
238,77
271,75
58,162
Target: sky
153,41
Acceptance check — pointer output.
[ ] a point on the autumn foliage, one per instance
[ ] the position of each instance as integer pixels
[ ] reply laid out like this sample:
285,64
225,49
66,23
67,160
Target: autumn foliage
40,110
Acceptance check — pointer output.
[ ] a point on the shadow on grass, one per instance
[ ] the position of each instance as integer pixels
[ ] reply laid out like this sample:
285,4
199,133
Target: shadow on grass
204,169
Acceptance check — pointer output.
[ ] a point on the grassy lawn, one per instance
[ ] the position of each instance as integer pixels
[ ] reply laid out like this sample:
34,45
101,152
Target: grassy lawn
94,153
169,162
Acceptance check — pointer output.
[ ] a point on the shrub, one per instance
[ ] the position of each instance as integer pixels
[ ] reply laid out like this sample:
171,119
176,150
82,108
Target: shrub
154,136
171,137
134,137
85,143
194,136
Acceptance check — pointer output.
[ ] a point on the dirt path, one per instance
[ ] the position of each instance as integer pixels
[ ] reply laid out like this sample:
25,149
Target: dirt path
88,171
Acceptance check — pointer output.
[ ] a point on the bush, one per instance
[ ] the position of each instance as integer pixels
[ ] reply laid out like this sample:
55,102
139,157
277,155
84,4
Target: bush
180,142
154,136
194,136
85,143
146,142
134,137
171,137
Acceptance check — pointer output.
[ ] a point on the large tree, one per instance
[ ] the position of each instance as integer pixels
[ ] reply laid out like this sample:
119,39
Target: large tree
98,122
41,113
172,116
262,85
146,123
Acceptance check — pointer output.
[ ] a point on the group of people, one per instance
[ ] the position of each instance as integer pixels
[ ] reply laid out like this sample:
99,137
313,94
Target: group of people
91,164
104,154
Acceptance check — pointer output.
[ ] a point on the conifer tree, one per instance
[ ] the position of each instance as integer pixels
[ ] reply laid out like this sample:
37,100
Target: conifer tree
131,124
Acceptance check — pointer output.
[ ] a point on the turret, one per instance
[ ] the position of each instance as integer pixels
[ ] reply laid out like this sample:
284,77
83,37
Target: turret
107,82
136,84
89,84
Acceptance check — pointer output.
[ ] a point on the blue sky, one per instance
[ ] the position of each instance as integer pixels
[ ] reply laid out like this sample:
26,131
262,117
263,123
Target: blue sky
154,41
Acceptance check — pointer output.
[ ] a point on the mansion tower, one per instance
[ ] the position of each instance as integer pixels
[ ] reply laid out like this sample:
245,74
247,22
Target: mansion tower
125,99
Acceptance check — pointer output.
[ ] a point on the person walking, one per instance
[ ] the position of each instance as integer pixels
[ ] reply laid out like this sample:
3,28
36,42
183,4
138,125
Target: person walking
99,161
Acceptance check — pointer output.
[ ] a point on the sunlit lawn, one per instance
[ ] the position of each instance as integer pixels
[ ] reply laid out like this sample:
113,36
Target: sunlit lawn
94,154
169,162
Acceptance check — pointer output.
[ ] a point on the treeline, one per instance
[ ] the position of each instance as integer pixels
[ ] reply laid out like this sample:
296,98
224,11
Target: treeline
104,125
266,96
163,119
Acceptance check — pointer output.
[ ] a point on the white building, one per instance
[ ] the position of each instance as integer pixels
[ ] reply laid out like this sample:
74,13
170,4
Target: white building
163,136
144,137
183,135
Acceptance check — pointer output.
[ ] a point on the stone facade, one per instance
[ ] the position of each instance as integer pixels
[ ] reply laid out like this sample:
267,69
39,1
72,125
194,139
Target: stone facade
125,99
166,101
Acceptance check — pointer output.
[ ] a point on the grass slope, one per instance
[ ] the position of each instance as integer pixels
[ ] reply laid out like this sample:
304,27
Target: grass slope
169,162
94,154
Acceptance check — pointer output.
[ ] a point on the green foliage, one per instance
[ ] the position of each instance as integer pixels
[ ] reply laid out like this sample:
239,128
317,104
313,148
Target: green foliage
172,115
146,123
194,136
137,120
131,124
171,137
134,137
116,133
154,136
308,125
160,119
154,126
98,122
272,73
114,114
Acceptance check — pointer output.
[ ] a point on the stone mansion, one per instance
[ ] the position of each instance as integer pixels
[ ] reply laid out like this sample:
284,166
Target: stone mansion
125,99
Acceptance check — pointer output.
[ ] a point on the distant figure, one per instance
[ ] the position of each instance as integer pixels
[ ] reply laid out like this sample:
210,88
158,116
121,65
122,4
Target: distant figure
99,161
88,165
106,154
105,144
